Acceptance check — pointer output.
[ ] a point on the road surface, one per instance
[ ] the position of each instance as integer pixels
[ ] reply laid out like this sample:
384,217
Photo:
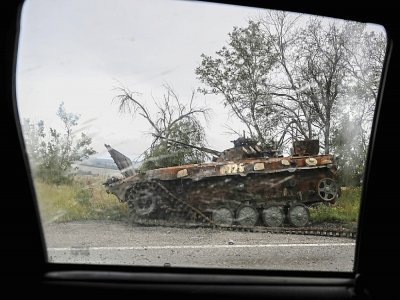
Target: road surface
101,242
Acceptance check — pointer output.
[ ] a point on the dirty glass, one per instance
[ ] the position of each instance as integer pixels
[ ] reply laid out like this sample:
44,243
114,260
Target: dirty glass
179,133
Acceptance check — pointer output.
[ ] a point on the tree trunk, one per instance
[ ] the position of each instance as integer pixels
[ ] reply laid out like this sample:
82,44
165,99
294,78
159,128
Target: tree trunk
326,135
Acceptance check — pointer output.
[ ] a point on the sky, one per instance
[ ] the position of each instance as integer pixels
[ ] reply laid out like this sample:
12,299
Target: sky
78,52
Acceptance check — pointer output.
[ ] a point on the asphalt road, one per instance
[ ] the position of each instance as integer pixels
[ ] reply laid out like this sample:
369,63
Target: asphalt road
99,242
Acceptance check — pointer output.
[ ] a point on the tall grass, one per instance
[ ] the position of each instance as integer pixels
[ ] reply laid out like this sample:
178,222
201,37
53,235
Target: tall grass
84,199
346,209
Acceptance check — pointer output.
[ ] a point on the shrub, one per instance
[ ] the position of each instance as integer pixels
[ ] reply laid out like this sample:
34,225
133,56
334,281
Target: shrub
80,200
346,209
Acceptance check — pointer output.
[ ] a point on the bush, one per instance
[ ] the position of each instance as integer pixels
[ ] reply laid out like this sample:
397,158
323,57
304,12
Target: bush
52,154
346,209
83,199
83,196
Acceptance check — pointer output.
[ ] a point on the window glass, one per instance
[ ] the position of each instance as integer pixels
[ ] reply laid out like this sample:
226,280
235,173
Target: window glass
193,134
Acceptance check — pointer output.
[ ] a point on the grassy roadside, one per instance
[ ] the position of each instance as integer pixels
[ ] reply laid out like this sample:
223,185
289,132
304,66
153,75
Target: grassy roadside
345,210
85,199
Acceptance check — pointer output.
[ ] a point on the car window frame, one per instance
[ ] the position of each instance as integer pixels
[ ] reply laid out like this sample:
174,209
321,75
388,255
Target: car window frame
367,268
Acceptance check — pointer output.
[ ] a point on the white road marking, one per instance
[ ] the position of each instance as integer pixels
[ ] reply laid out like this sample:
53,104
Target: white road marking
200,247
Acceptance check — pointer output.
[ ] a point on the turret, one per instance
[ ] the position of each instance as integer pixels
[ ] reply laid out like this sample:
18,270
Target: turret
203,149
243,148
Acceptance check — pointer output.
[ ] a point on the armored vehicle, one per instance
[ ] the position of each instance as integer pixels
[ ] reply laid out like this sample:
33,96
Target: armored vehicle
247,185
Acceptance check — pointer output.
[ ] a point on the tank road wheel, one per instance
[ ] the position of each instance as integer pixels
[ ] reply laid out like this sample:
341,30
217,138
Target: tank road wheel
143,201
298,215
327,189
247,215
273,216
222,216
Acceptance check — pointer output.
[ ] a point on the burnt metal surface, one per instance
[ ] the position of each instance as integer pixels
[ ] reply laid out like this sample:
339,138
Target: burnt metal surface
309,147
238,192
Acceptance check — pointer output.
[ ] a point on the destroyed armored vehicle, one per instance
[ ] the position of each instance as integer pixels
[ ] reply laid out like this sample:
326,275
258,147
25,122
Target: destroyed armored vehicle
243,186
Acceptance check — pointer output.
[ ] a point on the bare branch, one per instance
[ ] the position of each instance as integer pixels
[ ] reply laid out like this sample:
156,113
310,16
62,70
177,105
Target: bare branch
172,119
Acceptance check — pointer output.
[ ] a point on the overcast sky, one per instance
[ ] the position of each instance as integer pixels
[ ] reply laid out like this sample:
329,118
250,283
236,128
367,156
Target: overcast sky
79,51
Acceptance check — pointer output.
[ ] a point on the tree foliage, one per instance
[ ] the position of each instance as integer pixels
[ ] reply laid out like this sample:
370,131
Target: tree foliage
52,154
350,148
322,60
241,73
293,81
174,120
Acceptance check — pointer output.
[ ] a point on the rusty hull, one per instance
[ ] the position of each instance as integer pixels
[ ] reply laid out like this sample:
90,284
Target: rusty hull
241,167
230,183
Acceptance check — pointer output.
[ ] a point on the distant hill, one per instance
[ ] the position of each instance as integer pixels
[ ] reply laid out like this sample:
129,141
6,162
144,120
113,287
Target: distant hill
105,163
98,166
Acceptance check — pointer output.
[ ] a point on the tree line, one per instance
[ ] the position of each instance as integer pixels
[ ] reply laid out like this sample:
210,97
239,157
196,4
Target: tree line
284,77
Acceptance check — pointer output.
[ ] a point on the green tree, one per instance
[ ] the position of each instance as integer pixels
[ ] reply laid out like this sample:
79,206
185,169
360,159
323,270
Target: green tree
53,154
173,120
351,137
348,145
315,76
289,81
34,135
241,72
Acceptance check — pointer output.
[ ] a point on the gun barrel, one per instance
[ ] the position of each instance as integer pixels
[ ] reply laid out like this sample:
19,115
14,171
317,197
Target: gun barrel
204,149
123,162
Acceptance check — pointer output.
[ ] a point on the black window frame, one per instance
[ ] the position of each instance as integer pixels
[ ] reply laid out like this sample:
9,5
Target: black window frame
24,256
